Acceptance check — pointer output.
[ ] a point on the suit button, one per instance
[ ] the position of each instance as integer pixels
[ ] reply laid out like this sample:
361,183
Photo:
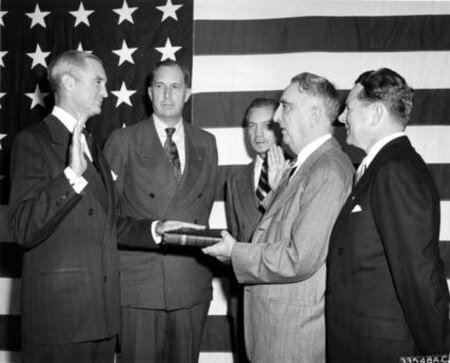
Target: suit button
340,251
105,278
200,195
90,211
152,195
196,221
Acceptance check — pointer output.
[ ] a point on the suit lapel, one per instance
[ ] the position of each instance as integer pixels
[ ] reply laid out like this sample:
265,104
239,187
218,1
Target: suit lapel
283,196
153,151
392,148
246,191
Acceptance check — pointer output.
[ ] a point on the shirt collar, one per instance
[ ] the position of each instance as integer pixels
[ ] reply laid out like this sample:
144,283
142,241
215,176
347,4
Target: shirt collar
161,127
310,148
65,117
379,145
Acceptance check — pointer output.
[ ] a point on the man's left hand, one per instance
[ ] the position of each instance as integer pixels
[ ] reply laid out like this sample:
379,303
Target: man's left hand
221,250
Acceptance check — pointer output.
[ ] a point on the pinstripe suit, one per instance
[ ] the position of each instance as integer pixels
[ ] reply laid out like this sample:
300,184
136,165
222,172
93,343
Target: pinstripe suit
70,280
284,266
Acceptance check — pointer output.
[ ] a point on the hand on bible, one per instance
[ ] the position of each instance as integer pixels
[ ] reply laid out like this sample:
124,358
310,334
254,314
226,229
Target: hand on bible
166,226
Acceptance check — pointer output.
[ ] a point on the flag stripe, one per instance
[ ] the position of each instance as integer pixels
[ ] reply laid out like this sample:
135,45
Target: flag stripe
315,34
431,106
420,136
269,9
427,70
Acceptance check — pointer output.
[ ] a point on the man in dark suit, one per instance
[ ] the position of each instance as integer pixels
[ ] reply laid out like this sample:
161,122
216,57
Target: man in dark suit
249,186
62,213
166,168
387,295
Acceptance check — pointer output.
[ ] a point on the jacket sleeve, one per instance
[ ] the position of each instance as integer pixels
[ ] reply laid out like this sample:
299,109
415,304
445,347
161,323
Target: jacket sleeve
41,196
303,234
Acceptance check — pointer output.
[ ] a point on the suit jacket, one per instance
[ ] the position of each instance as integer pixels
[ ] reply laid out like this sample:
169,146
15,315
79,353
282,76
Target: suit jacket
386,291
242,205
70,263
163,278
284,266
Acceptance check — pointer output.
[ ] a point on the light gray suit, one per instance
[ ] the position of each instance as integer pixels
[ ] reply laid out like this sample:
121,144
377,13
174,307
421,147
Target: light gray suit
284,266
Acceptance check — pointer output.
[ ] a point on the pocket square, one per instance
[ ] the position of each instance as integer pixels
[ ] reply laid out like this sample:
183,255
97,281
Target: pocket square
114,175
356,208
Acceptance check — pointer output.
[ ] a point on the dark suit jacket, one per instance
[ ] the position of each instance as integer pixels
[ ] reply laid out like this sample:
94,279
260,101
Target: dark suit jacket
242,205
386,291
161,278
70,267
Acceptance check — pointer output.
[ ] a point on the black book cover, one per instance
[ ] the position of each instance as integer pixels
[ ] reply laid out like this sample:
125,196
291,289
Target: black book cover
192,237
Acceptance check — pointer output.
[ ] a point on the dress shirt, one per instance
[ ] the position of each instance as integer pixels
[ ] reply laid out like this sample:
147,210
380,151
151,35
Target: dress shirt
177,137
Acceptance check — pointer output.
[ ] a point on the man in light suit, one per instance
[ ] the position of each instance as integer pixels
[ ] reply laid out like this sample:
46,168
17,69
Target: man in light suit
62,213
247,188
284,266
387,295
166,169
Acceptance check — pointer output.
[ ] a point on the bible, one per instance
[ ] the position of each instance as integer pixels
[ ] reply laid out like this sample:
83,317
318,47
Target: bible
192,237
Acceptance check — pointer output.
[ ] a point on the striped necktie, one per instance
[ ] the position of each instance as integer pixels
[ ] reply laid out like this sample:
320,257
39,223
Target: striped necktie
172,154
263,187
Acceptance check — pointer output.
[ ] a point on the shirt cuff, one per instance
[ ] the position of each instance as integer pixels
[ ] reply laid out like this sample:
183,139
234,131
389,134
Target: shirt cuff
78,183
156,237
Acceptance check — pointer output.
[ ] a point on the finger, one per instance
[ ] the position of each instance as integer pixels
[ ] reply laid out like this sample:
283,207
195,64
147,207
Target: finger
192,225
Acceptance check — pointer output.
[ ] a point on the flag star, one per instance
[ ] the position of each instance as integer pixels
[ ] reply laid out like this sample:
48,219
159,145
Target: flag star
1,95
168,51
38,57
37,97
2,54
125,12
123,95
1,137
37,17
2,13
169,10
125,53
80,48
81,15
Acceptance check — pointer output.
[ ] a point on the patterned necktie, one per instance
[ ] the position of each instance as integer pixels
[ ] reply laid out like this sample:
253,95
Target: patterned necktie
172,154
263,184
359,173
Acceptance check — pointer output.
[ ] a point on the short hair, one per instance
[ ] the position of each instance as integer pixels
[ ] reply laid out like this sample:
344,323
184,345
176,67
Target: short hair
260,102
320,87
66,63
171,63
386,86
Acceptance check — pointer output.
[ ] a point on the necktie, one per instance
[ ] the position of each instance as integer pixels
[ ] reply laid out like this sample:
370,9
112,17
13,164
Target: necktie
172,154
359,173
263,184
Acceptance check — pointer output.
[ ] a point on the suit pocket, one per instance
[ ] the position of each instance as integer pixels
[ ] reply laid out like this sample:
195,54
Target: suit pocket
380,327
63,295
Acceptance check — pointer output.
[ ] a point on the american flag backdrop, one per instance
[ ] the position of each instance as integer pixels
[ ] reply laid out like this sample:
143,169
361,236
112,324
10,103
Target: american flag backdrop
238,50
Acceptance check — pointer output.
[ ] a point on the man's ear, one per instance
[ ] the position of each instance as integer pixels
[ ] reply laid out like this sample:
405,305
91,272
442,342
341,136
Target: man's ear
316,114
188,94
149,92
378,111
68,82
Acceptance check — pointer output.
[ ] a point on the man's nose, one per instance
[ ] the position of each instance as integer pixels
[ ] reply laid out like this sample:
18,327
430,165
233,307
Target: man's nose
277,115
343,117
